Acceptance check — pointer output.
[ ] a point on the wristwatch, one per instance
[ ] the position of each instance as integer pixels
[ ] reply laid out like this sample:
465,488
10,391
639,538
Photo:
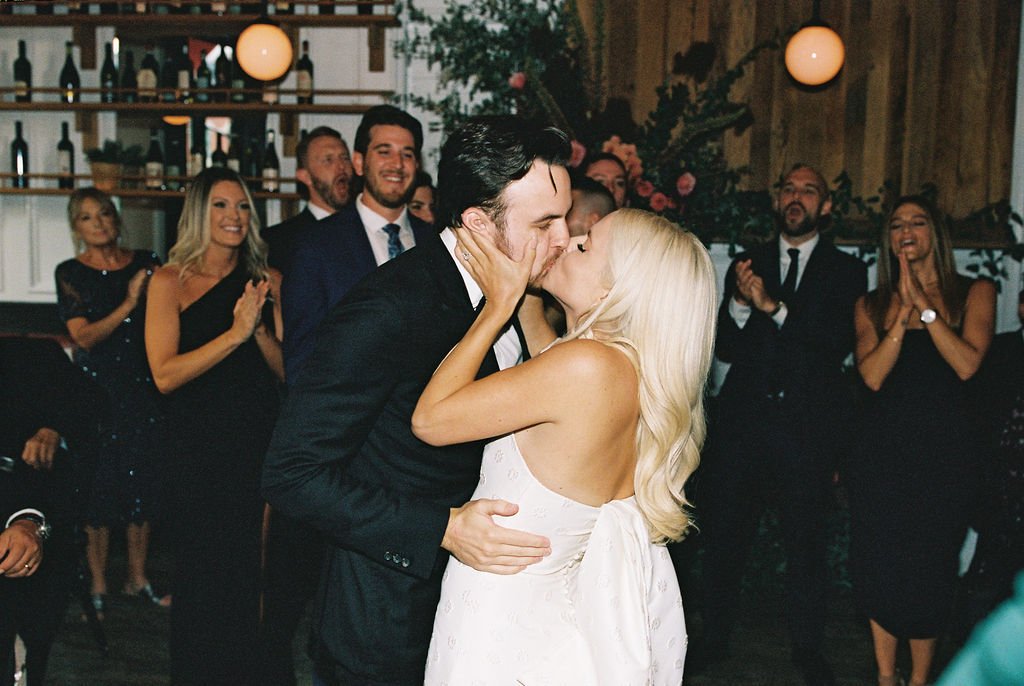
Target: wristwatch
928,316
42,528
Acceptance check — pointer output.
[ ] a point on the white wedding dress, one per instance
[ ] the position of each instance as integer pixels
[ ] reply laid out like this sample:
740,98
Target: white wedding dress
603,609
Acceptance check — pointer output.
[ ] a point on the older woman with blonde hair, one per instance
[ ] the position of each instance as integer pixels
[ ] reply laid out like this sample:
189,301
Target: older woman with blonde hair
920,336
212,348
593,439
99,293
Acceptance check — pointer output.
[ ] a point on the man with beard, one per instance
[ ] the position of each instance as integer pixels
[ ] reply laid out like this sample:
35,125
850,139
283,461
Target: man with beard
785,326
329,257
334,254
324,172
344,458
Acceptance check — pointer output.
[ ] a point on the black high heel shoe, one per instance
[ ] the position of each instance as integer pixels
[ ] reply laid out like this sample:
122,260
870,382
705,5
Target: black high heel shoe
146,593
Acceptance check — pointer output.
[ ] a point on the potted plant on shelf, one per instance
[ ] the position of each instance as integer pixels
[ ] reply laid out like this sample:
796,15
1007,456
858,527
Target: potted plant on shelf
108,163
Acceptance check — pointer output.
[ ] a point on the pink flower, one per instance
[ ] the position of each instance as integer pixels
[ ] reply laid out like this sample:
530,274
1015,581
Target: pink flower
644,188
658,201
579,152
517,81
685,184
627,153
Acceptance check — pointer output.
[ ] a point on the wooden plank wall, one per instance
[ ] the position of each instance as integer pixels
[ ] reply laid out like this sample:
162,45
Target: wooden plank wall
926,94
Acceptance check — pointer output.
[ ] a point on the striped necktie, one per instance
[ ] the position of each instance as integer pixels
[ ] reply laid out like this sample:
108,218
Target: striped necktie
395,247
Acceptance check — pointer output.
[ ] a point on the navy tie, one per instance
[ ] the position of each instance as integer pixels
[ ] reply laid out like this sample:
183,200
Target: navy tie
789,285
395,247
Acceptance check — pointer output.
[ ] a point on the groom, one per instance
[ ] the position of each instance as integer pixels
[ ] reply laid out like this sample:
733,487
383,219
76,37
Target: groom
343,457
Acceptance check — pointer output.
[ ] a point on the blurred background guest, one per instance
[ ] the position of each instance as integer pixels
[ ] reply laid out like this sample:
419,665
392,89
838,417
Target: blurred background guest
999,554
98,297
47,407
920,335
424,197
212,348
610,171
324,172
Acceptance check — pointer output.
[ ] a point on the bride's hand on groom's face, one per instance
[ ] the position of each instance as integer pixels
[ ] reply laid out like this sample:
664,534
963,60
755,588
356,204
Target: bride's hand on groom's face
501,278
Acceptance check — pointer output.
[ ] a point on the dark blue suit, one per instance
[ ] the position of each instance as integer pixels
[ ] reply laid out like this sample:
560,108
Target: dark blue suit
330,257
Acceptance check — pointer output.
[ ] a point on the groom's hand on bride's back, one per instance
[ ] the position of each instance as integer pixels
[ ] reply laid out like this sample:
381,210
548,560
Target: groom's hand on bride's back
474,538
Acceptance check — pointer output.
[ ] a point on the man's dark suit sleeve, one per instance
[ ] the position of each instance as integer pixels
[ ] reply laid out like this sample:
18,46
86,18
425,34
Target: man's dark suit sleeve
304,302
326,419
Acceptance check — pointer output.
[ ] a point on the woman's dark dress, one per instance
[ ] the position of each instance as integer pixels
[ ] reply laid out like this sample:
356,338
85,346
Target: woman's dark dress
222,423
912,482
128,477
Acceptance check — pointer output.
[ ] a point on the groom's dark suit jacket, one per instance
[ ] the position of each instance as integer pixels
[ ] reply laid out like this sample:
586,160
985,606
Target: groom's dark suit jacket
344,459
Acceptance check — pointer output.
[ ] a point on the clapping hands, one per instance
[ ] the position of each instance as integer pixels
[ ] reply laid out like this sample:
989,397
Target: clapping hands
248,308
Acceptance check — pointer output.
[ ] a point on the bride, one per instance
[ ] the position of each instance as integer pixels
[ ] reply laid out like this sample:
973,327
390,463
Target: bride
594,440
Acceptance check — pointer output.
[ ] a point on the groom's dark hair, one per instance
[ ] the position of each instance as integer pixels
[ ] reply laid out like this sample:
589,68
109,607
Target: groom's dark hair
484,155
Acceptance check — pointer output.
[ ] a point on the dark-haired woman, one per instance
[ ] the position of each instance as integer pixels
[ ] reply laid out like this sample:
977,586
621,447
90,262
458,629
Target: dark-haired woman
212,348
98,294
920,335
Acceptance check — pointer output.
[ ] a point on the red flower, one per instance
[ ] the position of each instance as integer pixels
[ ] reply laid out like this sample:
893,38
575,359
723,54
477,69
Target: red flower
658,201
579,152
644,188
685,184
517,81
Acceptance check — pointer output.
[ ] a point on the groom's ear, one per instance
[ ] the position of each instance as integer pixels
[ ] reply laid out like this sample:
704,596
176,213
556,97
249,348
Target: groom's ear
475,219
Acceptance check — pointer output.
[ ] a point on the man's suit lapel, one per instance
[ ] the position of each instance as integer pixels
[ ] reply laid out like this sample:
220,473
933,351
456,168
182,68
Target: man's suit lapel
455,306
814,272
353,245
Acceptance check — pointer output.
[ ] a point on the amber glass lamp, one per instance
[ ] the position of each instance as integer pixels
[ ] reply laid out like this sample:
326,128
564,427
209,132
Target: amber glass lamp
263,50
815,53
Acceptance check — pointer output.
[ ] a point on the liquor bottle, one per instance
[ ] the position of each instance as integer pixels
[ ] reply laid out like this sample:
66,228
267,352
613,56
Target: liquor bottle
219,158
65,159
169,78
184,76
129,82
271,166
197,155
22,75
154,162
69,81
326,8
222,74
147,76
304,76
174,169
108,77
204,79
365,7
234,158
282,8
251,163
19,158
238,93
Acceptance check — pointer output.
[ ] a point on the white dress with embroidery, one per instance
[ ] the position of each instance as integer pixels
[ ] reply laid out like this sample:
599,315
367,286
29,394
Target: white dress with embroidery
603,609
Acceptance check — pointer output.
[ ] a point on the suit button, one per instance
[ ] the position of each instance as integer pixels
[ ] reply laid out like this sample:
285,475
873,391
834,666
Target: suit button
405,562
387,556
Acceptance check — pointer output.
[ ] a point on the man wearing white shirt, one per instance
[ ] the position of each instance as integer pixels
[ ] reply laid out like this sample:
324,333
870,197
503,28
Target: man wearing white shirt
785,326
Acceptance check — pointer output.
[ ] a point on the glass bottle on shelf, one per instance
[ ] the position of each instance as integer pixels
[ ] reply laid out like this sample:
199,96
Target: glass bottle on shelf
283,8
325,8
169,78
222,74
271,166
22,75
197,155
173,169
204,79
304,76
70,83
154,162
184,77
65,159
19,158
219,158
238,93
148,76
251,163
219,7
234,158
271,92
129,82
108,76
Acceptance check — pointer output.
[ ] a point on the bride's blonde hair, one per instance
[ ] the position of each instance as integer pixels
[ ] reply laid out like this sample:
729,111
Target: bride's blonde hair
660,312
